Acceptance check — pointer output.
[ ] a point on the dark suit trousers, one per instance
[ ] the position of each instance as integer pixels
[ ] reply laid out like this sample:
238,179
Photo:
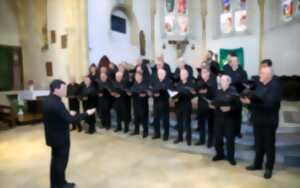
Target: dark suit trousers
59,161
264,144
74,105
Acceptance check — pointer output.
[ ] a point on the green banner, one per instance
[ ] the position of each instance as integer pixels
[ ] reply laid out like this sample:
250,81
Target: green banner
225,52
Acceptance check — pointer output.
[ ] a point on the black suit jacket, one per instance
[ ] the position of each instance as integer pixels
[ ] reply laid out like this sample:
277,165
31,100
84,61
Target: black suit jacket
57,120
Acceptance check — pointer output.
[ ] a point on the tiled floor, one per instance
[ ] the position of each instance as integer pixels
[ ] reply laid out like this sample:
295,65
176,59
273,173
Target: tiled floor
109,160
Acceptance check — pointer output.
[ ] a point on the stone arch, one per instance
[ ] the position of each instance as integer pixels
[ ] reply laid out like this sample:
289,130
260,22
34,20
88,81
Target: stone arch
127,10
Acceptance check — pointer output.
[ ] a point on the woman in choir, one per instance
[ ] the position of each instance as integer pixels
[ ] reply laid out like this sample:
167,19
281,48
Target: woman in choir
88,97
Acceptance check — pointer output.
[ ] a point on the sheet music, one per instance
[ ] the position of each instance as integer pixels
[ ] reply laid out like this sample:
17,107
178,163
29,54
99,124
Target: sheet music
172,93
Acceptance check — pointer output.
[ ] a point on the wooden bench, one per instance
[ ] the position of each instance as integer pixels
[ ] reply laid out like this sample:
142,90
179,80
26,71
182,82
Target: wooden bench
8,115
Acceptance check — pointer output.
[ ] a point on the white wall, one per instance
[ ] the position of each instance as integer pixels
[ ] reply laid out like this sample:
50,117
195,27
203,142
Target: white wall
281,44
117,46
282,41
8,25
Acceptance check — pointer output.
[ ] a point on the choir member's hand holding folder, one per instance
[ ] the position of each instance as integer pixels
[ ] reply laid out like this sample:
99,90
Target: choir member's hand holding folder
249,96
89,112
216,103
141,91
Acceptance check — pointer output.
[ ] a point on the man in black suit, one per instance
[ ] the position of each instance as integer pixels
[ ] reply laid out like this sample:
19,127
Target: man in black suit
206,86
161,106
56,121
265,118
183,104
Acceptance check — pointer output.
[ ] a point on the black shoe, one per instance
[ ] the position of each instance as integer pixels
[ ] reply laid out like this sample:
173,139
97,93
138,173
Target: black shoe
145,135
126,130
79,129
69,185
199,143
165,138
189,143
117,130
155,137
73,129
268,174
218,158
178,141
232,162
209,143
134,133
253,168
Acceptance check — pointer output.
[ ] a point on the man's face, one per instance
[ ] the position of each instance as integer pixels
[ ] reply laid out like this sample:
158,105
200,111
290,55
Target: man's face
161,74
183,75
205,74
103,70
224,82
138,77
87,81
93,70
72,80
103,76
234,63
62,91
265,74
119,76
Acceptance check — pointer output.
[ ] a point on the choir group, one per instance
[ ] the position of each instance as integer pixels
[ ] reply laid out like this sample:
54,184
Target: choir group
221,94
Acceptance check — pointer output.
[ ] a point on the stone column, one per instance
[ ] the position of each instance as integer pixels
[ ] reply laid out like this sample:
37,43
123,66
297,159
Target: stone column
261,4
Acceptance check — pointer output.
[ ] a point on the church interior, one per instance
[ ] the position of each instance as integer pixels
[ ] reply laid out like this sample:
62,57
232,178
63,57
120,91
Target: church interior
44,40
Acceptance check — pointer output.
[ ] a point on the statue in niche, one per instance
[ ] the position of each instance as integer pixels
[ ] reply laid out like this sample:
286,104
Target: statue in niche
142,43
226,5
181,6
170,5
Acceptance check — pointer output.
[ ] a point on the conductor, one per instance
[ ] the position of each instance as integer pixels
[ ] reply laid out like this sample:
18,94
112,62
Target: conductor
56,121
